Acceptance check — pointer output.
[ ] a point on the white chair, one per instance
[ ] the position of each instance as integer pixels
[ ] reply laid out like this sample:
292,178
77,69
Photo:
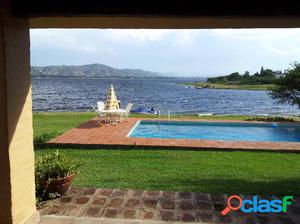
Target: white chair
101,116
127,111
100,105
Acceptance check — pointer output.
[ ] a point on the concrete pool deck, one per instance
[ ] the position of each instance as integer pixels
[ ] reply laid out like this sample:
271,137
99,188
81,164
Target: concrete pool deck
90,134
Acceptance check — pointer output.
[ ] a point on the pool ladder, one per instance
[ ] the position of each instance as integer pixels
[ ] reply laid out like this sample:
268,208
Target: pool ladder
158,122
169,118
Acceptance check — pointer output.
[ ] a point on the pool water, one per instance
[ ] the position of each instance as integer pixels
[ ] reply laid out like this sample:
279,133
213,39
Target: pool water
216,131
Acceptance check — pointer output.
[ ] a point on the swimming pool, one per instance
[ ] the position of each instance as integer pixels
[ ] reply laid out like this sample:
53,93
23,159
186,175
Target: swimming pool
216,131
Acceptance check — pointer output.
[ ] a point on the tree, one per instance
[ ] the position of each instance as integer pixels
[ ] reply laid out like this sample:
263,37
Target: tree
234,77
262,70
287,87
246,74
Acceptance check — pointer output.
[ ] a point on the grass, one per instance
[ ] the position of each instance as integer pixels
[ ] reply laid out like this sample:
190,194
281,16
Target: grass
199,171
180,170
226,117
54,124
227,86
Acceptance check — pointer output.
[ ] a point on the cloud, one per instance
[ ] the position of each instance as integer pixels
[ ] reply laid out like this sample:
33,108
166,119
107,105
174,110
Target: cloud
275,50
140,35
86,39
202,51
282,42
256,34
60,39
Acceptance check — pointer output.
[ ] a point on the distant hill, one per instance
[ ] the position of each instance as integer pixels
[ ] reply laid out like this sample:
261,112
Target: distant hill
89,71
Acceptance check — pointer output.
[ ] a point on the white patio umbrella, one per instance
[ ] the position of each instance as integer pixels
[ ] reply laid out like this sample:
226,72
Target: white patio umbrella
111,100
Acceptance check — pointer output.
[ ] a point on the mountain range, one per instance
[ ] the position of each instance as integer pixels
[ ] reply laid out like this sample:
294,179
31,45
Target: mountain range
90,71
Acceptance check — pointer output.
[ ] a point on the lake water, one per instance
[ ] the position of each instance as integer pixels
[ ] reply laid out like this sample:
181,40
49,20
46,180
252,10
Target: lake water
162,94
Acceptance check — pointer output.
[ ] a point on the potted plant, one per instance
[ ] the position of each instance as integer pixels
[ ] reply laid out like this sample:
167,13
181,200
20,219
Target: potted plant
54,173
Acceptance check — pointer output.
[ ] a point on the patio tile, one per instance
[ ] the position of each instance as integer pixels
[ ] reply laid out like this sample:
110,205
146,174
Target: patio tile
150,203
89,191
116,203
202,197
187,217
133,203
204,205
129,214
168,204
218,198
219,206
152,194
72,210
99,201
168,215
158,206
82,200
119,193
137,194
168,195
106,192
225,219
185,195
205,217
93,211
186,205
66,199
111,213
149,215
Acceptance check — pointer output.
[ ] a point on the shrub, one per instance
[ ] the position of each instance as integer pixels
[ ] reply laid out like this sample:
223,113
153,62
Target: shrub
43,138
272,119
55,165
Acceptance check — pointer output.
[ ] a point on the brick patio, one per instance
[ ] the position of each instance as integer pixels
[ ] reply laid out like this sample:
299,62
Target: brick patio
90,134
158,206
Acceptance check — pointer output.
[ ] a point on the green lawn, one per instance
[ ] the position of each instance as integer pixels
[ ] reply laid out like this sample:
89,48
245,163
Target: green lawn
182,170
225,86
58,123
210,117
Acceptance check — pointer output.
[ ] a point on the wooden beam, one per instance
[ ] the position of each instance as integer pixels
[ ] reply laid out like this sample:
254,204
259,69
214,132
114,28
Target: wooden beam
155,8
163,23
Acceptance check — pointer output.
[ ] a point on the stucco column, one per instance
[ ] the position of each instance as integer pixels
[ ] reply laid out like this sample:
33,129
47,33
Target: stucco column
17,193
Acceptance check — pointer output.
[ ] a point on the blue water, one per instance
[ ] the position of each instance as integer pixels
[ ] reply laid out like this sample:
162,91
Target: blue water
216,131
162,94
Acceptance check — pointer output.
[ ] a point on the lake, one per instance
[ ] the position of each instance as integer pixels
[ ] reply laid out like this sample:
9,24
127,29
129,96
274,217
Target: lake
162,94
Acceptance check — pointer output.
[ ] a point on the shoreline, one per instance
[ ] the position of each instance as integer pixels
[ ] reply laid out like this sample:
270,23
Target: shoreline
265,118
206,85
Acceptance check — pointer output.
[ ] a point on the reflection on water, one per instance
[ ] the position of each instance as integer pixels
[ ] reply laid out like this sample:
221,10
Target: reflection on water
162,94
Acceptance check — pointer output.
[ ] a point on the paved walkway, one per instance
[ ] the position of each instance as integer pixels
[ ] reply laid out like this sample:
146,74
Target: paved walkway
154,207
90,134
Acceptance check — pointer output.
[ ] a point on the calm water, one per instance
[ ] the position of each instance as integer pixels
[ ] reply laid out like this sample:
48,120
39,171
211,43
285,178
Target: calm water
217,131
162,94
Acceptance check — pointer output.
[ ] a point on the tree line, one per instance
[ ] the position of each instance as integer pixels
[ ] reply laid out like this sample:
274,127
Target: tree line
286,85
265,76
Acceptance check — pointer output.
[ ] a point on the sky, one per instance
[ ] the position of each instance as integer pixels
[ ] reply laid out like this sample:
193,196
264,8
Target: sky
189,52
